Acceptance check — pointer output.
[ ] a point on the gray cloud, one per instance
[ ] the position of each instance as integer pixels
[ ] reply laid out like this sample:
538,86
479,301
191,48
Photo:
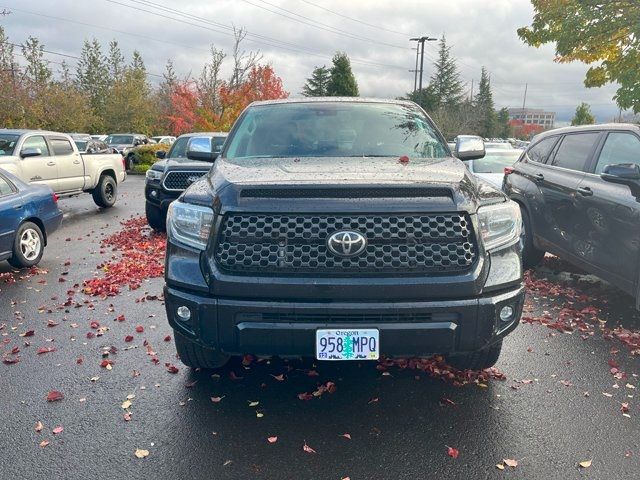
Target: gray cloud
481,33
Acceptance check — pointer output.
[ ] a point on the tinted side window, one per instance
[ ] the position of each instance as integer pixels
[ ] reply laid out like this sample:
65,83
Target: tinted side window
5,187
61,146
179,148
541,150
575,150
37,142
619,148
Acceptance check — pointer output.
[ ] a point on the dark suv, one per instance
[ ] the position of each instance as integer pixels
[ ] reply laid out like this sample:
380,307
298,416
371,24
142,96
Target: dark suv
579,188
342,229
189,158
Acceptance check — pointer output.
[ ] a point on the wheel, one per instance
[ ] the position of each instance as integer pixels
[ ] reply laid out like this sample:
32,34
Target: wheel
104,195
531,256
130,161
156,218
478,360
28,246
197,356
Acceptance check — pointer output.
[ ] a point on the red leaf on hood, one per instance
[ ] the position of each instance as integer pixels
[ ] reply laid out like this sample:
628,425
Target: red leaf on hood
307,448
272,439
139,329
305,396
54,396
403,160
452,452
128,338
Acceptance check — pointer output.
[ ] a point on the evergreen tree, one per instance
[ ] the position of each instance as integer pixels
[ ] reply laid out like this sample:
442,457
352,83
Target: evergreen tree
316,85
115,61
503,129
92,78
426,98
7,60
342,82
583,115
37,71
445,82
483,103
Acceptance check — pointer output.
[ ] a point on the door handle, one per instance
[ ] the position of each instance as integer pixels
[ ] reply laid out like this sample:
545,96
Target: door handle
18,207
538,177
76,161
51,164
585,191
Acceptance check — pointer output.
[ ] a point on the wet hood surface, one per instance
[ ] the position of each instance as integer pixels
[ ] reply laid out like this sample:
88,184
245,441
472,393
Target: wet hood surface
181,163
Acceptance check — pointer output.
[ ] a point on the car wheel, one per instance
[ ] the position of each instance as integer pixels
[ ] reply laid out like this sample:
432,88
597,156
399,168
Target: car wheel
196,356
105,193
531,256
479,360
28,246
156,218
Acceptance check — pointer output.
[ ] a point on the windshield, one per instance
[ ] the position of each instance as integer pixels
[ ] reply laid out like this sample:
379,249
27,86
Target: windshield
494,162
120,139
8,143
179,148
334,129
82,146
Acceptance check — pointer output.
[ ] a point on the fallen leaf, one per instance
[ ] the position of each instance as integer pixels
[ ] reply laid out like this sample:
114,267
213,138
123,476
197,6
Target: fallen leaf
39,426
58,429
510,463
272,439
279,378
585,464
254,404
28,333
139,329
346,435
217,399
141,453
42,350
500,466
171,368
54,396
167,338
44,443
307,448
452,452
259,415
126,404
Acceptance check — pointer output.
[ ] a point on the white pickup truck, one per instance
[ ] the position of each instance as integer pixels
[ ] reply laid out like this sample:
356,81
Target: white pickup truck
51,158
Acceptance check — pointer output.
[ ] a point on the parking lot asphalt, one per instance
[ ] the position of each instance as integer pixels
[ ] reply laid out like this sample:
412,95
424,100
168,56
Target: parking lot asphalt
565,394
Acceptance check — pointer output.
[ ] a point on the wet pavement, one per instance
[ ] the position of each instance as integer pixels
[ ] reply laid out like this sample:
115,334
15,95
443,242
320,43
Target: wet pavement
568,396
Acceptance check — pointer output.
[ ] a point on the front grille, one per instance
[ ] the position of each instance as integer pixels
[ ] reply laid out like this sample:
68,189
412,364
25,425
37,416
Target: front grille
351,317
179,181
297,244
362,192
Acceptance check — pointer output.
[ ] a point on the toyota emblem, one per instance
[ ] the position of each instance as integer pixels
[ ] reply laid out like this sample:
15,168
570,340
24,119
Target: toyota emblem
346,243
193,178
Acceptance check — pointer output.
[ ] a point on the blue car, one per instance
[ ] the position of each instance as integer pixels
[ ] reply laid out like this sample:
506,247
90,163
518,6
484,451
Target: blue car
28,215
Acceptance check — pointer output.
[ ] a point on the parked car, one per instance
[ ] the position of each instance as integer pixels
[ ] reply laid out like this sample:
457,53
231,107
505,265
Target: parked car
491,166
102,138
189,158
93,146
499,145
165,140
344,230
28,215
52,158
124,143
579,190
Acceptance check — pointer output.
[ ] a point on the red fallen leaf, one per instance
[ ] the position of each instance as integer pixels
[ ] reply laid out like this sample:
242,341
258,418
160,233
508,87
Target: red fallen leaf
613,364
613,371
217,399
127,417
305,396
403,160
279,378
128,338
106,363
15,350
312,373
234,377
10,360
624,407
452,452
62,279
120,318
346,435
94,325
139,329
91,335
67,263
67,239
373,400
171,368
28,333
42,350
307,448
79,360
167,338
58,429
247,360
44,443
272,439
54,396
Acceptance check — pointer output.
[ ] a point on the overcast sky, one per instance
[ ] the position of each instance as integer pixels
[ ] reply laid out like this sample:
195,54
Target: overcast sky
296,35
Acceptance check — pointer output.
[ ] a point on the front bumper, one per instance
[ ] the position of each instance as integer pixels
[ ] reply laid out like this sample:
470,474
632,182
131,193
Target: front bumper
157,196
283,328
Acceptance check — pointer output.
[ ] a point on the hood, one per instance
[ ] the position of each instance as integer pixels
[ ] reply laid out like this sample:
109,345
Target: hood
120,146
444,184
181,163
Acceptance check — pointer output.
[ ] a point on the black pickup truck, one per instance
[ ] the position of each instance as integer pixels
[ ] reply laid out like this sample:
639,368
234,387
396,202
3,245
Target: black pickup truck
189,158
342,229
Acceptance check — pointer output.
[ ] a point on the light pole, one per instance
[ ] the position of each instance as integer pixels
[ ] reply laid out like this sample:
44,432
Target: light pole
421,41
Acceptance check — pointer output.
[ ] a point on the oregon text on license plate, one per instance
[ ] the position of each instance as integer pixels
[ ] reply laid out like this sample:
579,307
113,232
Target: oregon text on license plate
362,344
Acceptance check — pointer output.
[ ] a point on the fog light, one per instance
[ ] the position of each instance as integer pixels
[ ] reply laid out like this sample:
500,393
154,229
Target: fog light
506,313
184,313
154,193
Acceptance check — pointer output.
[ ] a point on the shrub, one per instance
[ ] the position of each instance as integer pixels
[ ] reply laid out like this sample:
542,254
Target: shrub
146,154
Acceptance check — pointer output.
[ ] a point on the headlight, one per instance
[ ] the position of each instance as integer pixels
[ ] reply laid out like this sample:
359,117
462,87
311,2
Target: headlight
189,224
500,225
153,175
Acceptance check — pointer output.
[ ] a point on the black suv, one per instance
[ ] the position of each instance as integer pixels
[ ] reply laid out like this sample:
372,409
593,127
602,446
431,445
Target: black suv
189,158
579,189
342,229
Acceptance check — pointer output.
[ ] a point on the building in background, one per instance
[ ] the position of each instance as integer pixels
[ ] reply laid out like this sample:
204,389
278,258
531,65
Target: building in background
533,116
525,131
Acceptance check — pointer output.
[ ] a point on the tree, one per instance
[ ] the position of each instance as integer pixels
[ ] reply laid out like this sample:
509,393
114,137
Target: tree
342,82
183,115
583,115
589,31
115,61
483,102
92,77
12,94
210,81
426,98
446,85
503,128
316,85
37,70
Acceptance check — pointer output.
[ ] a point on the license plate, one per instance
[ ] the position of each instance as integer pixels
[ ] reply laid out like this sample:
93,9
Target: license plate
362,344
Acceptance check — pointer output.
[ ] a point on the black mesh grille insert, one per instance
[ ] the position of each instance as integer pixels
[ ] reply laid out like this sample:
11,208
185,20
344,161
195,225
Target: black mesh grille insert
297,244
181,180
363,192
352,317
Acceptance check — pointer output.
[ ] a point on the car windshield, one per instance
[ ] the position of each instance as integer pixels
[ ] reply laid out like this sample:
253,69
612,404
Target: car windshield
335,129
82,146
499,145
8,143
494,162
120,139
179,148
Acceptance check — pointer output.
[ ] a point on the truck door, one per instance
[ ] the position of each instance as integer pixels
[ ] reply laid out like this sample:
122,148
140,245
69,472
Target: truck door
38,168
70,166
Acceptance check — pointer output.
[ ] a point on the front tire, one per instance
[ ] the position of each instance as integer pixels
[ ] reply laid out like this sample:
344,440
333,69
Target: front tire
531,256
105,193
479,360
28,246
156,218
196,356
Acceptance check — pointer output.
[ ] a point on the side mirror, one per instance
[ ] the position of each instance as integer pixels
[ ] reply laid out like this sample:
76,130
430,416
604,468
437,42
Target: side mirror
137,143
30,152
469,148
202,156
621,173
161,154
